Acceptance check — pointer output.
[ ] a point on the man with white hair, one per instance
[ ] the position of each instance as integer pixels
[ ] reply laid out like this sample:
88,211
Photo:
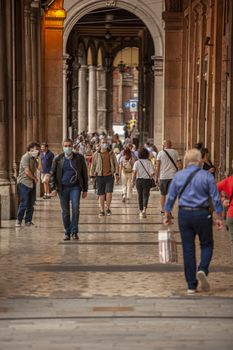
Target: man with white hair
194,187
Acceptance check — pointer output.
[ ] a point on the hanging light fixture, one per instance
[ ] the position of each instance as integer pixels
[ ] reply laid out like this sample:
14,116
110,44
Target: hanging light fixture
121,65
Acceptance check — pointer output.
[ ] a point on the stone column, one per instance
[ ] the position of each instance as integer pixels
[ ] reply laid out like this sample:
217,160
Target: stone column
158,100
28,72
101,99
92,100
3,88
53,79
216,89
82,99
120,97
34,75
201,125
6,111
64,98
173,78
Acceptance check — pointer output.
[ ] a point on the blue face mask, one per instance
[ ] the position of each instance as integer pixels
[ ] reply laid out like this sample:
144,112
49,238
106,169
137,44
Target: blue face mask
104,146
67,150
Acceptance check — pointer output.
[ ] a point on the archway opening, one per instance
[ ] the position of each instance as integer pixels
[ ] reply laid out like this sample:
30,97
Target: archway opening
110,80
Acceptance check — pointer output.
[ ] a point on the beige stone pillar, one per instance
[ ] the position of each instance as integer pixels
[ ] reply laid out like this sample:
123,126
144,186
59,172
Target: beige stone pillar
92,100
101,99
120,95
82,99
158,100
52,85
28,72
173,117
64,98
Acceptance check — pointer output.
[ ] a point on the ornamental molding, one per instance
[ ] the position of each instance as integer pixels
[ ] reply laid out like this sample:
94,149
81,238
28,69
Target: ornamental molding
111,3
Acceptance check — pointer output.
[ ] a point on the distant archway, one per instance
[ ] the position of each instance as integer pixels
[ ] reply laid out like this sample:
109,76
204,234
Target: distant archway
77,11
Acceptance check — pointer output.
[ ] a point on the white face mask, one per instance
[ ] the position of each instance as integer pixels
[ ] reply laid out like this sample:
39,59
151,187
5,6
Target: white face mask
34,153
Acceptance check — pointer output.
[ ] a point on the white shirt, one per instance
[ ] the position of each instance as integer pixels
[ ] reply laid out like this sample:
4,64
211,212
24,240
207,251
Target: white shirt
141,172
167,168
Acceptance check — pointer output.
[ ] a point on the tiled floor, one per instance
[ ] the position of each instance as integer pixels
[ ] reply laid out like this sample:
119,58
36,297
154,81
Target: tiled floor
115,264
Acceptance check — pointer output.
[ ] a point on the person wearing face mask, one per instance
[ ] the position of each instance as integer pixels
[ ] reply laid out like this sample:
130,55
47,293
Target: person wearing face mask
26,181
104,167
68,178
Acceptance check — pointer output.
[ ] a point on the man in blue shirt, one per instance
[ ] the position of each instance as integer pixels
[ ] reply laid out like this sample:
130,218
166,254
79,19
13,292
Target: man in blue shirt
69,178
46,163
194,187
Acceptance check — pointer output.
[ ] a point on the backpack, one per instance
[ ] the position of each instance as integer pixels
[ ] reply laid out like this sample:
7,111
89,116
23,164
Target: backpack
127,166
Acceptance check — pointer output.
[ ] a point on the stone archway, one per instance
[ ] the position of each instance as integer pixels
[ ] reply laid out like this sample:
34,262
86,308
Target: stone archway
77,11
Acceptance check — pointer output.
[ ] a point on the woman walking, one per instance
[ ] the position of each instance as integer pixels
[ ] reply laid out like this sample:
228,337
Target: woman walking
143,171
126,171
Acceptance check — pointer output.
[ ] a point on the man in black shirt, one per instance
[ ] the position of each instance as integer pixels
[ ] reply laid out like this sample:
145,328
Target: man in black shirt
69,178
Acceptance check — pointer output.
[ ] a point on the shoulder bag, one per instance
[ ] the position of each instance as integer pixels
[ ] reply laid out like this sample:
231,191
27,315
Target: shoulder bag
171,159
153,184
189,179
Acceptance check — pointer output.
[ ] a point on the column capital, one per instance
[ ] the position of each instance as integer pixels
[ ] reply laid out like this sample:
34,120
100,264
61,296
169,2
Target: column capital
27,10
92,68
173,20
55,15
65,64
158,65
83,67
100,68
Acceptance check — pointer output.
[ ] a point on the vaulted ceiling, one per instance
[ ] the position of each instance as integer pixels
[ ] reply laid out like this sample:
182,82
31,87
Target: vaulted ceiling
117,22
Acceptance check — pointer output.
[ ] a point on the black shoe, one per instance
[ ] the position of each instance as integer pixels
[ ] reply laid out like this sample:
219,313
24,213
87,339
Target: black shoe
101,213
66,237
75,236
108,212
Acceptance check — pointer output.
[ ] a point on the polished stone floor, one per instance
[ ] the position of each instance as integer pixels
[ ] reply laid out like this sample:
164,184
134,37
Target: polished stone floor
108,289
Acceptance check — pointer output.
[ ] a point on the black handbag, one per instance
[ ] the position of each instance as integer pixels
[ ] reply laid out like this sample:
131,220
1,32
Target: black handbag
153,183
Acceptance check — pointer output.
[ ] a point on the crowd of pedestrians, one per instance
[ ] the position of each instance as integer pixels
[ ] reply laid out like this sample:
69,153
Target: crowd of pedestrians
102,161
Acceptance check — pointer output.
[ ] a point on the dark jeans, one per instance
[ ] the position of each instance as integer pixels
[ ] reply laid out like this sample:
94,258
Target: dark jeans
192,223
70,194
27,198
143,187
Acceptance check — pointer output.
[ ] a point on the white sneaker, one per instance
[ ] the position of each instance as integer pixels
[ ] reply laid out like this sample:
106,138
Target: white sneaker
141,214
201,276
18,223
144,213
191,291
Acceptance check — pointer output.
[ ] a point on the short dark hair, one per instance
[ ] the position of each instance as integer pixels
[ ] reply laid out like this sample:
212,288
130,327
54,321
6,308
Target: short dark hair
204,151
32,145
199,145
143,153
44,144
68,140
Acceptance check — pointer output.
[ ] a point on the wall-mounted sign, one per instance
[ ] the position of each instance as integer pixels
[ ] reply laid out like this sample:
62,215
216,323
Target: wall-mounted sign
133,105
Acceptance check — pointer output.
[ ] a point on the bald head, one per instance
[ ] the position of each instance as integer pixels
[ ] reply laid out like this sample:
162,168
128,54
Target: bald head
167,144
